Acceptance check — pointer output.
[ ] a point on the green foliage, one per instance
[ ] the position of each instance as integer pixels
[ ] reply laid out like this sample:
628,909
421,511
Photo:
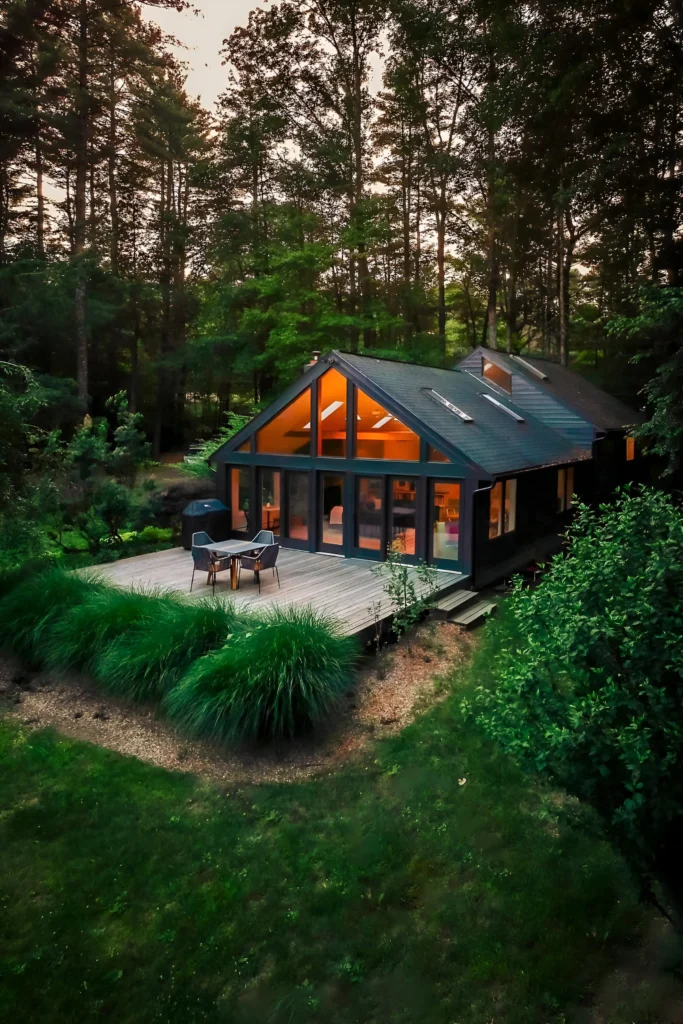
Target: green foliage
587,676
197,464
131,451
657,325
411,589
381,891
149,659
274,677
83,632
32,608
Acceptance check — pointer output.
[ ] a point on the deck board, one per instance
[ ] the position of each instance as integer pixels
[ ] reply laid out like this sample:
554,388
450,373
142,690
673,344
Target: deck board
344,588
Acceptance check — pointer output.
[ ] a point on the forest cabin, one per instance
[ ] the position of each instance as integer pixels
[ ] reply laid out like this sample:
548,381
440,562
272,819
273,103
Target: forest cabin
471,469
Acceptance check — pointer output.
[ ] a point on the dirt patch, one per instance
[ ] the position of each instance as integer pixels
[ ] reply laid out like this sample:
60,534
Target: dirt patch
387,694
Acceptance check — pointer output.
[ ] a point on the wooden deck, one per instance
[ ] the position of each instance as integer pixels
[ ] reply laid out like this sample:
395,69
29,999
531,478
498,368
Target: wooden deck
345,588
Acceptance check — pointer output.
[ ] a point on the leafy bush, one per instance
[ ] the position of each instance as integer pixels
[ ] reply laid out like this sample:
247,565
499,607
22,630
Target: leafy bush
275,678
587,677
81,635
30,609
149,659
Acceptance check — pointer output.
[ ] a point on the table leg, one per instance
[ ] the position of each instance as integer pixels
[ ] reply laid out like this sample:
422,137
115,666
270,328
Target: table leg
233,573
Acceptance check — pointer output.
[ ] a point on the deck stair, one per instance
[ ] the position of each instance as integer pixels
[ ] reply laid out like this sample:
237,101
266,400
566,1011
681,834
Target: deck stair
465,607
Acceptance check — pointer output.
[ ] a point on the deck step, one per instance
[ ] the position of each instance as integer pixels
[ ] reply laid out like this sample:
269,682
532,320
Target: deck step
456,599
474,613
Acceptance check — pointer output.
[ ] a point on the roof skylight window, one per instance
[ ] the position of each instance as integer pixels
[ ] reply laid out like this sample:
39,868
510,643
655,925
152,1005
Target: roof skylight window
532,369
436,397
503,408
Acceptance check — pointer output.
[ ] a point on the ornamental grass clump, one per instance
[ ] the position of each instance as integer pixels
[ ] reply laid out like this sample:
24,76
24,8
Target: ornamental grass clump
149,659
274,678
32,608
80,637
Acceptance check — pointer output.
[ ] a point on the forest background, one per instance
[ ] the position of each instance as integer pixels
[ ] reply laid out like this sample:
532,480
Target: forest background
410,179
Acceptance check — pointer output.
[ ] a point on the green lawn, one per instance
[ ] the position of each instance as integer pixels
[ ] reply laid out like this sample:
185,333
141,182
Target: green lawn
386,893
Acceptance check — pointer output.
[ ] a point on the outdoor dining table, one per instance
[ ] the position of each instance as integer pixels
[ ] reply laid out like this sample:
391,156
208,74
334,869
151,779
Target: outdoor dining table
232,549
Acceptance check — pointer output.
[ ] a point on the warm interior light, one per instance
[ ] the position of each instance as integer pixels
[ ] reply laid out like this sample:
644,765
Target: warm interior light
382,422
332,407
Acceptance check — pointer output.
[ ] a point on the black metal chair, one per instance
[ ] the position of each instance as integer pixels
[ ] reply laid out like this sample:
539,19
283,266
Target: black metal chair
263,537
266,559
206,561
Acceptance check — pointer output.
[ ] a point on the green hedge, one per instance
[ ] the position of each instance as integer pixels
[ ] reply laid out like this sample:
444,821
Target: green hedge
221,673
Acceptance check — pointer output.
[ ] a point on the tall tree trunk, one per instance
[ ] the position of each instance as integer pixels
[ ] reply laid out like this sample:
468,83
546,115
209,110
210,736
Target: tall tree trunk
80,217
441,268
111,172
40,199
561,291
491,250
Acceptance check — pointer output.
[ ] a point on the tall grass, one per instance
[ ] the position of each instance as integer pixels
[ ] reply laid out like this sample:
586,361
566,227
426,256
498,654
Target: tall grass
277,677
32,607
80,637
148,659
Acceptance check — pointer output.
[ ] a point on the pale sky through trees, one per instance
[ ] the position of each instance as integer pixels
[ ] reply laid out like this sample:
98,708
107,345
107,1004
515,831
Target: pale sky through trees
203,35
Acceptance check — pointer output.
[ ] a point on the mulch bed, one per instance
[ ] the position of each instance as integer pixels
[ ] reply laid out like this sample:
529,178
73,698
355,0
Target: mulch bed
389,691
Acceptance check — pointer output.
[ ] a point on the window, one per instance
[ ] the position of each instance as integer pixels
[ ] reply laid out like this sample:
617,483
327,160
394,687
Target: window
369,512
379,435
246,447
332,509
565,488
332,414
239,499
434,455
445,519
288,433
403,516
270,500
496,375
297,504
630,449
502,508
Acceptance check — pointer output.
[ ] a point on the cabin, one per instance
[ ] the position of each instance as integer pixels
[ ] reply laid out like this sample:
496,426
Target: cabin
472,469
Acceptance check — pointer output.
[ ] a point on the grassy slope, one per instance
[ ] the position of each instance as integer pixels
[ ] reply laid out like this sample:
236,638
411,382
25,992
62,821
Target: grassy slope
386,893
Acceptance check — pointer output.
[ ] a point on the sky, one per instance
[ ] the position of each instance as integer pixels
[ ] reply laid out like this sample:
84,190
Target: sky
203,35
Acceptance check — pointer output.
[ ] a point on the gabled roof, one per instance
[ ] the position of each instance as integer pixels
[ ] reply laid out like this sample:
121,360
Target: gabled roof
494,441
556,395
494,437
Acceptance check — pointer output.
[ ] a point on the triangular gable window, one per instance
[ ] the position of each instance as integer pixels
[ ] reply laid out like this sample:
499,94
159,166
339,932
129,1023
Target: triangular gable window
434,455
381,435
288,433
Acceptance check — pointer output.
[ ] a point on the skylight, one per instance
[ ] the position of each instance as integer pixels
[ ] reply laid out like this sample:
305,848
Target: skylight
436,397
503,408
382,422
532,369
332,407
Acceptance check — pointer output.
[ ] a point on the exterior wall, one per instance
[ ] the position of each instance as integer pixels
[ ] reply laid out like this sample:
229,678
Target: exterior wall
423,472
538,528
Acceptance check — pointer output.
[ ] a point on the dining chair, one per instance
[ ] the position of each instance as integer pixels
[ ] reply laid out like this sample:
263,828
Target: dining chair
266,559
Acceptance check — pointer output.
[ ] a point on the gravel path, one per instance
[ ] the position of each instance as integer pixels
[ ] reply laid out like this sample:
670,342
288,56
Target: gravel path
376,706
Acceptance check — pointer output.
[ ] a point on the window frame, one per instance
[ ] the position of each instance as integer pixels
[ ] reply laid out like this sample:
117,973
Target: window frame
502,532
565,493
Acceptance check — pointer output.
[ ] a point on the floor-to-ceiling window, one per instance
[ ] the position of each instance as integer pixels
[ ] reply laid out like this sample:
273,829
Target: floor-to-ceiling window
369,512
239,498
297,505
271,503
445,497
332,509
404,515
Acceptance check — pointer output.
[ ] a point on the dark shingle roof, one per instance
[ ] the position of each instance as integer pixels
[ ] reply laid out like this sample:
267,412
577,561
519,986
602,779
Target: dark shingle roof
494,440
567,388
